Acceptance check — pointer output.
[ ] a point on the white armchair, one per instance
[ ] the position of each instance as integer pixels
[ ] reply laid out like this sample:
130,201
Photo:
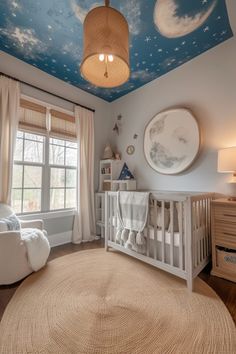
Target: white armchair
14,264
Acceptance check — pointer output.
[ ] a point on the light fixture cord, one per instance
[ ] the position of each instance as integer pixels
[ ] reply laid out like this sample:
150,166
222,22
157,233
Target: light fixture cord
106,70
107,4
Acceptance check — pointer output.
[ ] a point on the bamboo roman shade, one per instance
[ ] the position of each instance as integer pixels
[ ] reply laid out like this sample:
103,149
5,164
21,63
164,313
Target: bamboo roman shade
32,117
38,119
62,125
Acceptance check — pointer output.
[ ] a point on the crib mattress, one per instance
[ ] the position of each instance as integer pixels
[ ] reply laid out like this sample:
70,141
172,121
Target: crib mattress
167,236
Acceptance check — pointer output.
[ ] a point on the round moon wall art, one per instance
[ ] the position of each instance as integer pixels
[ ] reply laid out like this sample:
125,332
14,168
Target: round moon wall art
171,141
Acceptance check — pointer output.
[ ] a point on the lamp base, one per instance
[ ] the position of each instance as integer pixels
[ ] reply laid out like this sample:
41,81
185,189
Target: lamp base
232,199
233,179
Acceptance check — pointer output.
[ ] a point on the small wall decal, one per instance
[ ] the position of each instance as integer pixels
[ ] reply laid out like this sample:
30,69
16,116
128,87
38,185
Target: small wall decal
116,129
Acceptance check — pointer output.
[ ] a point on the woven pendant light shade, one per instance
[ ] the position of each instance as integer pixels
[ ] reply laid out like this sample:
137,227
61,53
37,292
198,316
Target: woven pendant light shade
106,47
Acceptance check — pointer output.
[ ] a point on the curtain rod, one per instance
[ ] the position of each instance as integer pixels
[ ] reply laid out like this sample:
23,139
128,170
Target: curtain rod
53,94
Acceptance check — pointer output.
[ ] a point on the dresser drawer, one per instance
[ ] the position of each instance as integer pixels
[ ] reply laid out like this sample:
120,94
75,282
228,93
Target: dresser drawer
224,213
225,233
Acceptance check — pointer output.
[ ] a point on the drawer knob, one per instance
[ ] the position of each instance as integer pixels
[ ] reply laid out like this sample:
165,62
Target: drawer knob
230,215
229,234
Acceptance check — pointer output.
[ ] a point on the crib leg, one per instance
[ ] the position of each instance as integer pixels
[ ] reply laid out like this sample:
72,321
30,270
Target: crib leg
106,244
190,283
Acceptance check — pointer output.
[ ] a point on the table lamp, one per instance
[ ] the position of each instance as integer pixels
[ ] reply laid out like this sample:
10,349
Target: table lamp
227,163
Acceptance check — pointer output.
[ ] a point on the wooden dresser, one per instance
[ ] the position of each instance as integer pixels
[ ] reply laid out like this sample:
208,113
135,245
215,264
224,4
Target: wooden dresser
224,239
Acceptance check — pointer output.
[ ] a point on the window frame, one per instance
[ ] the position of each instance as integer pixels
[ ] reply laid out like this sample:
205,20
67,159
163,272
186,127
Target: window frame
65,168
46,176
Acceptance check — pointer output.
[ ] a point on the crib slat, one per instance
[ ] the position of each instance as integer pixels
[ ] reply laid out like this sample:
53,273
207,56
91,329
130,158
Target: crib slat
148,235
163,231
207,228
194,228
208,225
197,234
181,235
172,233
155,229
111,215
200,231
107,236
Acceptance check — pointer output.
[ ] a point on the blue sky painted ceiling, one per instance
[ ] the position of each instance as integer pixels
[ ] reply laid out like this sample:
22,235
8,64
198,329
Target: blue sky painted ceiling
164,34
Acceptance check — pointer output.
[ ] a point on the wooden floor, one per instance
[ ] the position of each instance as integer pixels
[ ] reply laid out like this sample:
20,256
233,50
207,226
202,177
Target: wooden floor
224,288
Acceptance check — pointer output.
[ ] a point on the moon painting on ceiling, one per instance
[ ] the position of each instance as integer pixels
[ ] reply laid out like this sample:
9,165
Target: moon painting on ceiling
171,25
164,34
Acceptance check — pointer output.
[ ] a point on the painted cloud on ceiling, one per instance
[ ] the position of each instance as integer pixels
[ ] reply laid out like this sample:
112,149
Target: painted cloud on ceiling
164,34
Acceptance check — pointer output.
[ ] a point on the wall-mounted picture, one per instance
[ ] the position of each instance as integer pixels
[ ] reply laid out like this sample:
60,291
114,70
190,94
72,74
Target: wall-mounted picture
172,141
130,149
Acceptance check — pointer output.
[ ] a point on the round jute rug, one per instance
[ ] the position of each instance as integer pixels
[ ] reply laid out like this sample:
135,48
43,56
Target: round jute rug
98,302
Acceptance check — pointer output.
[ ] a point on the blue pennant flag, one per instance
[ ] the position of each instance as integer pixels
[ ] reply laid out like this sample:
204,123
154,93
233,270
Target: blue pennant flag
125,173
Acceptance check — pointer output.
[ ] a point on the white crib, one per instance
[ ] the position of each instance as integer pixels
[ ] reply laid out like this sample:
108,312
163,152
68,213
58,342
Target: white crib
183,252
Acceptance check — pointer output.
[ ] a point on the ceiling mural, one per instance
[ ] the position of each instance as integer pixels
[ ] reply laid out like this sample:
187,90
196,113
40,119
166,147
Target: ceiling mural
164,34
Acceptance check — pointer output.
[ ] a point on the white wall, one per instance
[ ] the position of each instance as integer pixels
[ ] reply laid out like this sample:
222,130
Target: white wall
207,86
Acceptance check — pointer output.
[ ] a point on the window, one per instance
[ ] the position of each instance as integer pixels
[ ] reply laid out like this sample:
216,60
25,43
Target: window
45,167
27,172
63,162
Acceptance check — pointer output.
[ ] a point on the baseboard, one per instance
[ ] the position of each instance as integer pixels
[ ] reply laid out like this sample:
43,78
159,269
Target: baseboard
60,239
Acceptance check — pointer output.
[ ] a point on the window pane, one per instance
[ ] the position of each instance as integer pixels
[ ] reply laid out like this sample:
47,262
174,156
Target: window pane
16,200
70,198
20,134
32,177
33,151
34,137
31,200
57,155
71,178
56,199
57,177
71,144
71,157
57,141
18,150
17,176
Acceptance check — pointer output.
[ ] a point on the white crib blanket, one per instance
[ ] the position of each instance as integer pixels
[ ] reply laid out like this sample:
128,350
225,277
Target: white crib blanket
133,210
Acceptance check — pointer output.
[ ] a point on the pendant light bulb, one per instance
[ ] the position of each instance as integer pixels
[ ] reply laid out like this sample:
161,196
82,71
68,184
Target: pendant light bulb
101,57
110,58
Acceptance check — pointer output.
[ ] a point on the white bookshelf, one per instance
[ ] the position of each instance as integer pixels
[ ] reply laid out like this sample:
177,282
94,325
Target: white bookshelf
121,185
100,214
108,170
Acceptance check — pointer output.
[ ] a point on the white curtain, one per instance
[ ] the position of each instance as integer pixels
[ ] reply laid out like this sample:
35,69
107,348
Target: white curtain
9,117
84,222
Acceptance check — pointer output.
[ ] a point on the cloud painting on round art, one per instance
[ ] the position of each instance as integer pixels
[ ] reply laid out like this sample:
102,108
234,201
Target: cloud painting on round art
171,141
164,34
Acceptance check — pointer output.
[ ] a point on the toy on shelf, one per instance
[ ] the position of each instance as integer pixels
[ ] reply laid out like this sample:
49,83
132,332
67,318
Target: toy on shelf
114,177
125,173
107,153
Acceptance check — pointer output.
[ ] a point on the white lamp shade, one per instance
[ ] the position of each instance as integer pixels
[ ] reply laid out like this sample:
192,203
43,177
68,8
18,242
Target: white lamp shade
227,160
